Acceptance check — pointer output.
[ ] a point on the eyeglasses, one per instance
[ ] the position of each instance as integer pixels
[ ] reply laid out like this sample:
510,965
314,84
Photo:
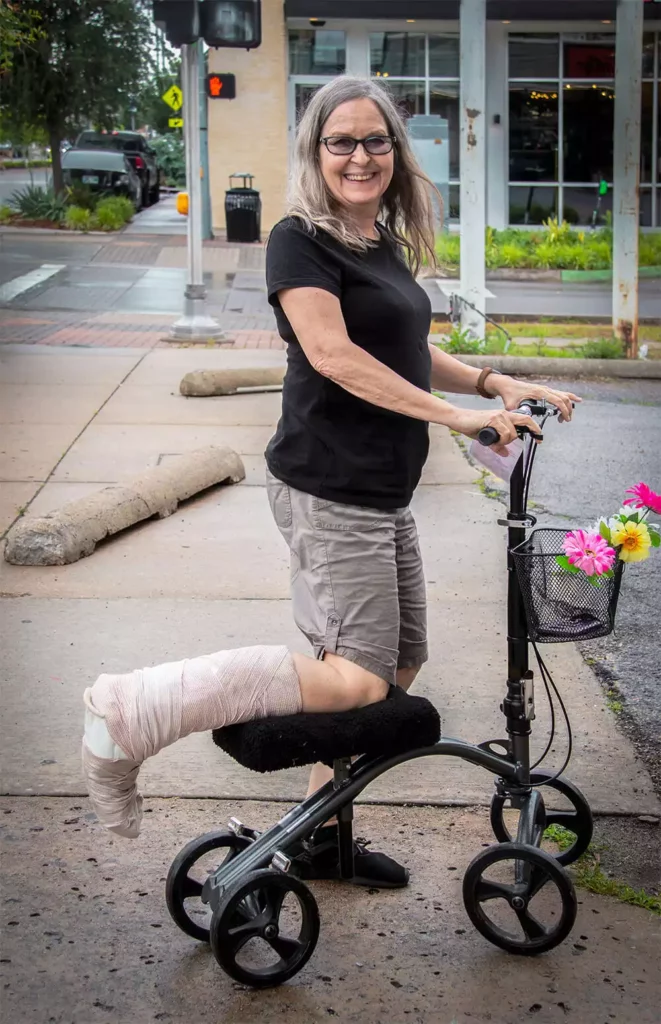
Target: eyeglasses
344,145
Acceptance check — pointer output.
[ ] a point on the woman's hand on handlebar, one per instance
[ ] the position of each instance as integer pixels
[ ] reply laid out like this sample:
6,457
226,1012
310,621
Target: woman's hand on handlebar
471,421
513,392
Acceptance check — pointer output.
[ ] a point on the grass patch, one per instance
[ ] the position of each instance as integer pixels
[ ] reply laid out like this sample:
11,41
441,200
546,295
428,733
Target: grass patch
613,700
486,487
588,873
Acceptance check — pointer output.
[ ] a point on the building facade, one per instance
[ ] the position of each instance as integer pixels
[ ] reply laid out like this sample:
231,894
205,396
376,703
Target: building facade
549,89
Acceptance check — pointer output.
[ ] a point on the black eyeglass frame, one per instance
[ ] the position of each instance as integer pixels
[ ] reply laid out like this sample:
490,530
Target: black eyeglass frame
359,142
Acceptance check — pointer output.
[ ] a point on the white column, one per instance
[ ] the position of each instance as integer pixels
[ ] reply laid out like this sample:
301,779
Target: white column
472,161
626,172
194,324
497,121
358,51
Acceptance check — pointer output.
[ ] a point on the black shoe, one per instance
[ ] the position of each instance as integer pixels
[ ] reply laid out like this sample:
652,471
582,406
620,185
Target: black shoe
320,859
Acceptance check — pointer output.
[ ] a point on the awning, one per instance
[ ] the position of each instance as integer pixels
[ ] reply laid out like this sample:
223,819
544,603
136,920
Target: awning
442,10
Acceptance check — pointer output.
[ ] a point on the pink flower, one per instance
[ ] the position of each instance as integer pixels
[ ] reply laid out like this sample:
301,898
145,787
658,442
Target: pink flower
589,552
644,497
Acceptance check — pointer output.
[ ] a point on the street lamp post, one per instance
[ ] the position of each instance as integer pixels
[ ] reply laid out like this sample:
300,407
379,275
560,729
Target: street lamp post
472,43
626,172
195,324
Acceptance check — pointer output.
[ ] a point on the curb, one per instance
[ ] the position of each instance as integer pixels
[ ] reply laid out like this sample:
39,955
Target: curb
74,530
604,275
204,383
566,276
532,366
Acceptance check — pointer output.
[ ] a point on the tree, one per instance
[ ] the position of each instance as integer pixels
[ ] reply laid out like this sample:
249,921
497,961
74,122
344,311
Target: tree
148,107
91,58
19,27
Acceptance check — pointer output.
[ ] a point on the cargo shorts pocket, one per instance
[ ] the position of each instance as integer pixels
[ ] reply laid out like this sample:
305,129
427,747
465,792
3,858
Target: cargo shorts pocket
279,497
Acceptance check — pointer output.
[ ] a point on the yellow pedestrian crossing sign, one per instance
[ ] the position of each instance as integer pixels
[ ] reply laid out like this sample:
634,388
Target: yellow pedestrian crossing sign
174,97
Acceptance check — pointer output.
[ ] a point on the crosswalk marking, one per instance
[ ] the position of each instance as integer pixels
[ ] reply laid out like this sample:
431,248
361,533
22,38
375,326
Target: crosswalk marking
21,284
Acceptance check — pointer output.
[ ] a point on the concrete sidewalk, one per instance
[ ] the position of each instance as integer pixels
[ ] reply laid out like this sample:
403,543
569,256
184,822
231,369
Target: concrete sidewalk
215,574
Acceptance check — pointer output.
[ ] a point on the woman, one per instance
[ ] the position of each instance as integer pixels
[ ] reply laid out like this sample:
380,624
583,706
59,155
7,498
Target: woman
353,438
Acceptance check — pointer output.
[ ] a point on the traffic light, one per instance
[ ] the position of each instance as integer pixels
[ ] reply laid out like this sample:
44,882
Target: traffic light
232,23
221,87
179,19
235,23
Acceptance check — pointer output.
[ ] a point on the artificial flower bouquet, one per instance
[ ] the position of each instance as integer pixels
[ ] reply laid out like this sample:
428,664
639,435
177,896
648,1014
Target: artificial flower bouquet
570,581
625,537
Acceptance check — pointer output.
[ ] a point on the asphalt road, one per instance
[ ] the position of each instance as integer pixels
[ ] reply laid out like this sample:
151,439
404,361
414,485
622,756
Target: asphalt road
582,471
16,178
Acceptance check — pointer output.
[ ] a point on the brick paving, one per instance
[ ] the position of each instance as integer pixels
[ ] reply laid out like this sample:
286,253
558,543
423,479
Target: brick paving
121,330
114,328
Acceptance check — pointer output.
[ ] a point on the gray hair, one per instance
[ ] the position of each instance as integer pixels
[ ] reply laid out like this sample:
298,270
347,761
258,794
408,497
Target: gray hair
406,207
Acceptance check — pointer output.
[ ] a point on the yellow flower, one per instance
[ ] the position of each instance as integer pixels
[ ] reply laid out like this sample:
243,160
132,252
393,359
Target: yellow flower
633,540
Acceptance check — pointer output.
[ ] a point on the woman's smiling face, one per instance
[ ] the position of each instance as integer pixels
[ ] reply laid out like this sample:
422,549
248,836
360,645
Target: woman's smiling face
358,180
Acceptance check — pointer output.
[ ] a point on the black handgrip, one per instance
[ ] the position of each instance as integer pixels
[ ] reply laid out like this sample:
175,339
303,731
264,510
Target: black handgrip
488,435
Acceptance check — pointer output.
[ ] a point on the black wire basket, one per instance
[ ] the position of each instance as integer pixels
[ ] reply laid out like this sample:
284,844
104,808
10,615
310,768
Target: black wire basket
560,605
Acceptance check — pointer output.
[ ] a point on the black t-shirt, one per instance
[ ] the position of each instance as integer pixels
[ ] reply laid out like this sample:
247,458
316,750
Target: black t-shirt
330,443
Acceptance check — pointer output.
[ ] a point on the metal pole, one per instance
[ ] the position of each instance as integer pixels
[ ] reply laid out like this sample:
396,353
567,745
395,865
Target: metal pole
472,164
207,230
626,172
194,325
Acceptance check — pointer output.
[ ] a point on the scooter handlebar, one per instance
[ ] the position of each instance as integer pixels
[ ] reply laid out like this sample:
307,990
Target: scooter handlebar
489,435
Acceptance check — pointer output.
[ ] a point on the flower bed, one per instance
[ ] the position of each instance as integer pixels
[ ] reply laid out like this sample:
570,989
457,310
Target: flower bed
555,246
76,210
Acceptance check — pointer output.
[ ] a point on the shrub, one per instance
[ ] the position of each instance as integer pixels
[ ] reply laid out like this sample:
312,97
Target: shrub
36,203
107,219
601,250
6,214
78,218
82,195
603,348
649,252
513,255
171,158
112,213
461,343
11,164
447,251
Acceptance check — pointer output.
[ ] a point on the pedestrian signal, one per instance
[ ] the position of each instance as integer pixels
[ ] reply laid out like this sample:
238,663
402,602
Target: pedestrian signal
221,87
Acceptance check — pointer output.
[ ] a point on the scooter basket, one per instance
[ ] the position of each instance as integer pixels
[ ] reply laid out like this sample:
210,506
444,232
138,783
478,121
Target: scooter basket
560,605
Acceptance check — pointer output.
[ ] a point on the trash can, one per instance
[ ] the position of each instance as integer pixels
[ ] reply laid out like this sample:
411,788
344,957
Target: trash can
243,211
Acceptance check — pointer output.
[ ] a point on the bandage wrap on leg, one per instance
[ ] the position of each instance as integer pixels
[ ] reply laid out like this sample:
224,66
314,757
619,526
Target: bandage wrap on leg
148,709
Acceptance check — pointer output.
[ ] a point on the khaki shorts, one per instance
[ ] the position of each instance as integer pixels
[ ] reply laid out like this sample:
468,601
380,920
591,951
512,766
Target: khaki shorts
357,584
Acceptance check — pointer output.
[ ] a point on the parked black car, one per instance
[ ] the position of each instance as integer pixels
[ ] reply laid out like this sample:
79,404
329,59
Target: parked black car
102,170
139,152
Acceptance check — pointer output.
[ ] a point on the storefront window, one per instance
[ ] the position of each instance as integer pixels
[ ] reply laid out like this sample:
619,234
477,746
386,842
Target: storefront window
646,132
646,208
409,96
443,56
455,209
534,56
444,102
590,56
401,54
433,61
532,204
648,55
533,133
585,205
316,52
588,133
